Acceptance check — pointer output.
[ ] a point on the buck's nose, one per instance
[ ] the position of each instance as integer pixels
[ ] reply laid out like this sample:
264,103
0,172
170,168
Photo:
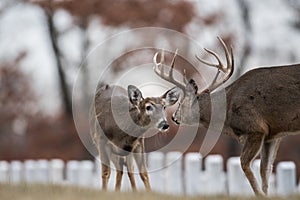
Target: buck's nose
163,125
175,120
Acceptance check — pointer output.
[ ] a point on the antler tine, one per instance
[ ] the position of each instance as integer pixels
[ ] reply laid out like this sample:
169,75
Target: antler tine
228,70
232,62
169,77
219,65
226,52
156,65
230,67
185,81
172,65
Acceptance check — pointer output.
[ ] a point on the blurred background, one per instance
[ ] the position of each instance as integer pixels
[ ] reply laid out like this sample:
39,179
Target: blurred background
43,44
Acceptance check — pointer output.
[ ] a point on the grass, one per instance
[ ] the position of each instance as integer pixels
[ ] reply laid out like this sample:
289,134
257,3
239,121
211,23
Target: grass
53,192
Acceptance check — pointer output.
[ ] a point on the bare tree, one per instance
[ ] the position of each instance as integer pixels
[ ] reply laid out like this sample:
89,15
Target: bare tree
62,77
244,10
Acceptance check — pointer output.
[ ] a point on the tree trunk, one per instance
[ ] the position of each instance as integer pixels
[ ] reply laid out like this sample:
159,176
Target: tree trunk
244,10
62,78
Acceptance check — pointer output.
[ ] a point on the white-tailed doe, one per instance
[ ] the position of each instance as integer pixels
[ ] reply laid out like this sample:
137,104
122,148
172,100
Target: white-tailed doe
119,119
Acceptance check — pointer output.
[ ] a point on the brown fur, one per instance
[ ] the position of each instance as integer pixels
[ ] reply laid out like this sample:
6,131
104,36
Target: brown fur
262,106
119,119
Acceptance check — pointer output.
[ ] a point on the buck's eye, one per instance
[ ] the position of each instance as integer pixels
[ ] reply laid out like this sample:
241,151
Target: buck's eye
149,108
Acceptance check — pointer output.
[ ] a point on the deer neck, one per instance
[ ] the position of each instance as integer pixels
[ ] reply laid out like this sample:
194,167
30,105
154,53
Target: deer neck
204,103
214,102
133,126
128,119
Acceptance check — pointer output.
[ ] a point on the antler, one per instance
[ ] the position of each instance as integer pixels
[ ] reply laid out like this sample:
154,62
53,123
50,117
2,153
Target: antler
159,70
228,70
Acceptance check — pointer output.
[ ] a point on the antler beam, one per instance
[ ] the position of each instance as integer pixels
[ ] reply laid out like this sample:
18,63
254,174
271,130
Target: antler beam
159,70
228,70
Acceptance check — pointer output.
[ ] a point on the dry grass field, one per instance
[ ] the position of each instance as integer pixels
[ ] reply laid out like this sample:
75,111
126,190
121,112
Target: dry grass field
52,192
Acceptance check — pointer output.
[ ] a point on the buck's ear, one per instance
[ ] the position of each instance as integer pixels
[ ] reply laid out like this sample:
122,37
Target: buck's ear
191,87
171,96
134,94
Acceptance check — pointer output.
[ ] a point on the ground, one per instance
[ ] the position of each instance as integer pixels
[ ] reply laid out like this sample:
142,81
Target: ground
52,192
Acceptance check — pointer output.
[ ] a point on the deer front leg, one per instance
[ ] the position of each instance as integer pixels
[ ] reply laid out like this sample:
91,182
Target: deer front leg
267,155
140,160
141,163
130,172
118,162
104,166
118,180
250,150
105,175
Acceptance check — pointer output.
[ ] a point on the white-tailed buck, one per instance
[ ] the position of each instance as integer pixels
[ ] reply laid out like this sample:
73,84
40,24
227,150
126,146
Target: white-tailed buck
119,118
263,105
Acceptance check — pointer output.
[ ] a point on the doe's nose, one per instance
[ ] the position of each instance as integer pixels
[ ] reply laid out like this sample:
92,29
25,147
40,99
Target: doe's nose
163,125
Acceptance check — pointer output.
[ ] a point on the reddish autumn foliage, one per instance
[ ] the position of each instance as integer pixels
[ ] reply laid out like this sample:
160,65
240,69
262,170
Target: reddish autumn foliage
24,131
132,13
16,95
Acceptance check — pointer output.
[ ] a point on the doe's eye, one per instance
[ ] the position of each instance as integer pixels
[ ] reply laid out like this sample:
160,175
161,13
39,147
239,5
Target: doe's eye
149,108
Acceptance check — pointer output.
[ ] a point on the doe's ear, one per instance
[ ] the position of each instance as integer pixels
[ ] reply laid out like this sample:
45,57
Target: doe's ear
134,94
191,87
171,96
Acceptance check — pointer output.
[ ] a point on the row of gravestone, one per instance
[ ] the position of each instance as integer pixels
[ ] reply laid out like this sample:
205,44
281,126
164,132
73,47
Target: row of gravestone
169,173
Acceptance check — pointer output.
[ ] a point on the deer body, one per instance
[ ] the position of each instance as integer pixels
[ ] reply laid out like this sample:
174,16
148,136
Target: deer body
119,118
263,105
265,100
262,100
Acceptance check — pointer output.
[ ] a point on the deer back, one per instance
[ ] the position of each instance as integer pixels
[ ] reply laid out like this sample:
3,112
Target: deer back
268,97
